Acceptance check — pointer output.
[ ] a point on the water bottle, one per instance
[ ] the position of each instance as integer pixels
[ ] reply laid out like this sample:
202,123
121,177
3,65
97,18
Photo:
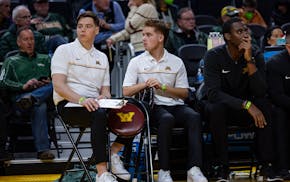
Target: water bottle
199,76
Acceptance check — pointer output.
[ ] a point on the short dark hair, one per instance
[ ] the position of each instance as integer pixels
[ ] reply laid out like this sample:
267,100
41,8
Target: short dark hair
250,3
268,34
183,10
89,14
21,29
227,26
159,26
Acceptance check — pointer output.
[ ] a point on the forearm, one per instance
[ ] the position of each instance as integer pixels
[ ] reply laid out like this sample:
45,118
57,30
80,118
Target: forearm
178,93
134,89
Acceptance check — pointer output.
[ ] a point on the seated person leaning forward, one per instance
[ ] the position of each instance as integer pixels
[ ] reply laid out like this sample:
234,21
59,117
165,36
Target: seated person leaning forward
166,74
19,74
236,87
80,74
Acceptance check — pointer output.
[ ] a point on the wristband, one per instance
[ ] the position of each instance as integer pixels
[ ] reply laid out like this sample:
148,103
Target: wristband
163,87
81,100
248,105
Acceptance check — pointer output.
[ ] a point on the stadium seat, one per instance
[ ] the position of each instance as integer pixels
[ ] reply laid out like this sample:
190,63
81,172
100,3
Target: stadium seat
205,20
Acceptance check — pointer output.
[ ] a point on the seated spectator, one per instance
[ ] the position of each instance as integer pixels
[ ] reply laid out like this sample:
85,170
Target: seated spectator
166,74
281,12
250,15
21,74
5,20
278,74
21,17
78,78
186,32
227,13
110,14
141,11
273,37
52,25
235,84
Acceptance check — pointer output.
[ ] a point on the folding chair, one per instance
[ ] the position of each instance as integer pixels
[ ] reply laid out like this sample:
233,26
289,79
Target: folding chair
81,122
129,121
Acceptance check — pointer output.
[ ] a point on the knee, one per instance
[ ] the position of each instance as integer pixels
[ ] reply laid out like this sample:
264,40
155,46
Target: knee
166,121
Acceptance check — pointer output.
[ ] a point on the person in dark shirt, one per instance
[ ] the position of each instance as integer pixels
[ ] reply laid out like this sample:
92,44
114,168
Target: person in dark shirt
278,77
235,85
186,32
5,20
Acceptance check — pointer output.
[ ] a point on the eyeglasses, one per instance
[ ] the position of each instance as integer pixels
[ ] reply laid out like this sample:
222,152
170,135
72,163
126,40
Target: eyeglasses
27,17
188,19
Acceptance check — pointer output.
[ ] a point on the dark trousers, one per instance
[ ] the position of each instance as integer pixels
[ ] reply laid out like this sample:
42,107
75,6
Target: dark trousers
3,128
220,116
166,117
281,126
97,121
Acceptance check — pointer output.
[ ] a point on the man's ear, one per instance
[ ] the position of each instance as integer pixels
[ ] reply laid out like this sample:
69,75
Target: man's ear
227,36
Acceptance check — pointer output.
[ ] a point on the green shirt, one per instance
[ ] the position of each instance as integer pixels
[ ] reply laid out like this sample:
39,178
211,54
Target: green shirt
18,69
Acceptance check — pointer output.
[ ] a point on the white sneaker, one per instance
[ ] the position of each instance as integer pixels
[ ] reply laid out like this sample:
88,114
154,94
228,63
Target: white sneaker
106,177
195,175
118,168
164,176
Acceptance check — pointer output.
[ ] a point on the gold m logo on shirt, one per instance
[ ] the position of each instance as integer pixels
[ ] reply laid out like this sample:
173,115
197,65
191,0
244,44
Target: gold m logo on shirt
126,117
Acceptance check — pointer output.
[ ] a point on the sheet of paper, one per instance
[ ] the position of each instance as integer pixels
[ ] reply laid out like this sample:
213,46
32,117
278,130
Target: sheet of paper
104,103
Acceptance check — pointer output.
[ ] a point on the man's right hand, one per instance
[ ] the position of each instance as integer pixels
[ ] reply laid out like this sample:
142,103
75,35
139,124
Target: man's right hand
34,84
91,104
258,116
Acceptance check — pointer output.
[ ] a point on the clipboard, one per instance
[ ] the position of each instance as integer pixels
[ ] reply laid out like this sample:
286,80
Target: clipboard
104,103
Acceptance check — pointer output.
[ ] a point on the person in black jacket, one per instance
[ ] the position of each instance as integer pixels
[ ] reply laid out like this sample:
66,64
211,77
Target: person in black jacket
235,83
278,77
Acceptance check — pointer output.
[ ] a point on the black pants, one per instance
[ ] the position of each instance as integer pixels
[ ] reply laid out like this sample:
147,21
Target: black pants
166,117
97,121
220,116
3,128
281,126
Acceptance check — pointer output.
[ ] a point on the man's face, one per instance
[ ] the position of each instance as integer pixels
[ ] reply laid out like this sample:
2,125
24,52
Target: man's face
187,21
102,5
276,34
86,29
23,18
41,8
151,38
5,9
239,33
25,42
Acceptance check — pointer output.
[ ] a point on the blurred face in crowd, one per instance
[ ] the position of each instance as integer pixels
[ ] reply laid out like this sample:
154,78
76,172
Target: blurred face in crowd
186,22
152,39
102,5
41,8
25,42
275,34
87,30
239,33
5,8
23,18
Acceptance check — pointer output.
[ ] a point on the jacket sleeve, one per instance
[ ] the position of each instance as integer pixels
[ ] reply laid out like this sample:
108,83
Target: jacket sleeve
4,46
8,79
258,84
275,83
212,80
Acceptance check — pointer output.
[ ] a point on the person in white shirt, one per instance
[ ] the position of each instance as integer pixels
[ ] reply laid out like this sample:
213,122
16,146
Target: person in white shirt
80,74
165,73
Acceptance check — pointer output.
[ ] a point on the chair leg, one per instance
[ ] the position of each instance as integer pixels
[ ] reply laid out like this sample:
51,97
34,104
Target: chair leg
148,153
74,144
